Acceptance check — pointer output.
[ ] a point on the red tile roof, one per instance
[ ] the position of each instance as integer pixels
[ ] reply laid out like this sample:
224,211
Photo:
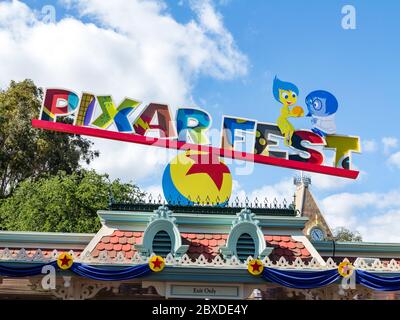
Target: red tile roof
207,244
287,247
119,241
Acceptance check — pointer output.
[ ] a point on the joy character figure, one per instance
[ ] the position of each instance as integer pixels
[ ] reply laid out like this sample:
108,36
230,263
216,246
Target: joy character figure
286,93
322,106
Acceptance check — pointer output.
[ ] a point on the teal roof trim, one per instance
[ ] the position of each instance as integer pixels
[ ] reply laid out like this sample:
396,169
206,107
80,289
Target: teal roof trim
327,247
119,219
45,237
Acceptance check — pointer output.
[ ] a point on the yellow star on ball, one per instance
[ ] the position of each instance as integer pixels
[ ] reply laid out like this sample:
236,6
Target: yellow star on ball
255,267
65,261
156,263
345,269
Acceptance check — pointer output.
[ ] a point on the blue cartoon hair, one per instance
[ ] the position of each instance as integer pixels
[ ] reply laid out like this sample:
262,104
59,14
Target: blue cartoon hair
278,84
331,104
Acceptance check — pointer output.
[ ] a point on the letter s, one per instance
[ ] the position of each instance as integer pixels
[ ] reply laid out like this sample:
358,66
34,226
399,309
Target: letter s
314,156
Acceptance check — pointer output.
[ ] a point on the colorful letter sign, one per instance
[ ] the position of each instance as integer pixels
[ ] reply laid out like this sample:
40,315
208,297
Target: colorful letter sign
279,144
58,102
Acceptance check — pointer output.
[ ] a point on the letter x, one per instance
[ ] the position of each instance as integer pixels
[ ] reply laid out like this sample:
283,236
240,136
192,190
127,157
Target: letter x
117,115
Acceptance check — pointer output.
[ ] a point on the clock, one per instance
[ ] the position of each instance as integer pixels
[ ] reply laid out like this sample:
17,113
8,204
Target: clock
317,234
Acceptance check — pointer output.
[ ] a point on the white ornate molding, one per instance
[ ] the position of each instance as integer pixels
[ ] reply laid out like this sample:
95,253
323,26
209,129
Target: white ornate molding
218,261
104,231
80,290
245,215
332,292
308,245
74,288
163,213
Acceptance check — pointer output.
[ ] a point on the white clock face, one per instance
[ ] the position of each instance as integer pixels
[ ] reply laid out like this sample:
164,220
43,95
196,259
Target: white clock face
317,234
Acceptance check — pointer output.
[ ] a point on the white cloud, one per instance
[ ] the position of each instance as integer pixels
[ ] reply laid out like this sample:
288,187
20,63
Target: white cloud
369,146
281,190
155,192
389,143
394,159
130,162
340,209
375,215
383,228
134,48
325,182
208,17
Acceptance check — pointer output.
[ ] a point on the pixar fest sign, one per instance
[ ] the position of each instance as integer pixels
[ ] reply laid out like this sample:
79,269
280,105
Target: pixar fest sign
198,172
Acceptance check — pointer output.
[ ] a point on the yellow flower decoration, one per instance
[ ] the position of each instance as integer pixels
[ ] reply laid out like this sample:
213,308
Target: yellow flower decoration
156,263
65,261
255,267
345,269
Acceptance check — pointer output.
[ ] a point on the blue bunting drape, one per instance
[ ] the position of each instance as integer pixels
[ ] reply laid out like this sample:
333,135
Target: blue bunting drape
107,274
301,279
376,282
96,273
288,278
24,272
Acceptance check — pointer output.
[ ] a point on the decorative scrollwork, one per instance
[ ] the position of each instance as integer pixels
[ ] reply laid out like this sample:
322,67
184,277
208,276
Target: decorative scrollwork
78,290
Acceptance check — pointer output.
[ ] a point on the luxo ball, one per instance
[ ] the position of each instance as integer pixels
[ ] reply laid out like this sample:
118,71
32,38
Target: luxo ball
196,177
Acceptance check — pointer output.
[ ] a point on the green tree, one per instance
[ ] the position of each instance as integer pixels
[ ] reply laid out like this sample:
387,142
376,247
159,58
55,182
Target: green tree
343,234
63,203
26,152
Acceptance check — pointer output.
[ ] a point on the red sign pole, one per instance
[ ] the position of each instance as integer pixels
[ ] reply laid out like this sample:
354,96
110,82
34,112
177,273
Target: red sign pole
179,145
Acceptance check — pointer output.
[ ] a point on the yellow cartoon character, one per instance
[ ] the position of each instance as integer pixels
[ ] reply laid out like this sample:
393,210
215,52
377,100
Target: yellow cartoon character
286,93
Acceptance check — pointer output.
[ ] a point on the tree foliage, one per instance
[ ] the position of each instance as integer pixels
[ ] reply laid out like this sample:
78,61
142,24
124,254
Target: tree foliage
343,234
63,203
26,152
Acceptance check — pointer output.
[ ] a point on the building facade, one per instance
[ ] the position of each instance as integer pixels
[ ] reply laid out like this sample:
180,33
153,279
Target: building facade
206,250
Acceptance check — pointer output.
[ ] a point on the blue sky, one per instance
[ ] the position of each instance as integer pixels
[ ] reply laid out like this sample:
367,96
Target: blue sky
360,66
300,41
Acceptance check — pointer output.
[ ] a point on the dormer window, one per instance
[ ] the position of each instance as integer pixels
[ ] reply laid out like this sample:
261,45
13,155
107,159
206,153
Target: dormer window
162,236
162,244
246,238
245,247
